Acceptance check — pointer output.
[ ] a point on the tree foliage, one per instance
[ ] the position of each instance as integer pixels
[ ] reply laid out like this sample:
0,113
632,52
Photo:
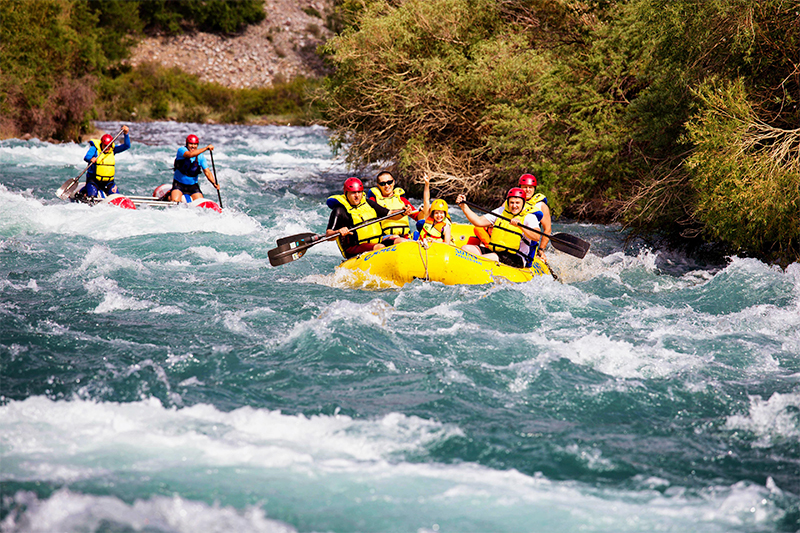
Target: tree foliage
55,55
47,67
608,102
153,92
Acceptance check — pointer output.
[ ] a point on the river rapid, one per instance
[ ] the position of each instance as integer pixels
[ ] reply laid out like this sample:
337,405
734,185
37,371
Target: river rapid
158,375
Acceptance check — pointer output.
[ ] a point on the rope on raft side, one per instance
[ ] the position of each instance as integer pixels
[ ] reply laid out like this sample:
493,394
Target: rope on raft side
424,260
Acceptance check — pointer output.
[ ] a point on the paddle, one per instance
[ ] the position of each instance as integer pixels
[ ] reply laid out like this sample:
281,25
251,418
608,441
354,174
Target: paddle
298,237
295,246
564,242
67,190
216,180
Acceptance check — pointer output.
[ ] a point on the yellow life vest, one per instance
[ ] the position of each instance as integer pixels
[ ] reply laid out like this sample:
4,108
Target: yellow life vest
392,203
104,166
360,213
530,205
505,237
432,230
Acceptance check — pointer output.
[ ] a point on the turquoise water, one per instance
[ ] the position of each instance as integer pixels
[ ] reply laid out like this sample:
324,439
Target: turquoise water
157,374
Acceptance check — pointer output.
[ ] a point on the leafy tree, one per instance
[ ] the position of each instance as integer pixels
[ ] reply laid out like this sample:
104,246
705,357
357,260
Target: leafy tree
607,101
47,67
749,44
745,173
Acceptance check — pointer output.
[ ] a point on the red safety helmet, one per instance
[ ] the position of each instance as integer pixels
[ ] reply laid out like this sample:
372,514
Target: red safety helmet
528,180
515,192
106,139
353,185
192,139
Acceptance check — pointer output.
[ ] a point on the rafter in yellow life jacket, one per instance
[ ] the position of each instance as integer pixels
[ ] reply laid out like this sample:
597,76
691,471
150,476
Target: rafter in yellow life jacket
359,213
507,238
434,230
530,205
106,162
392,203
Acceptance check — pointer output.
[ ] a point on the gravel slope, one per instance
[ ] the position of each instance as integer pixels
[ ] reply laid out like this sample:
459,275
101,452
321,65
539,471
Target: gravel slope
282,47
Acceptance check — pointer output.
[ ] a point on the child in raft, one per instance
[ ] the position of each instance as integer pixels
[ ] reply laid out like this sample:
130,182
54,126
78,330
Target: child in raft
437,226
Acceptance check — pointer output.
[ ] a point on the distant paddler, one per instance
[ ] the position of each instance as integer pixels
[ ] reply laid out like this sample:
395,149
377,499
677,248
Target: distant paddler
189,163
350,209
102,165
393,198
511,243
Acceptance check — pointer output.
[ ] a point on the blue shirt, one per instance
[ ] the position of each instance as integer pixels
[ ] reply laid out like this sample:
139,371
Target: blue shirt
179,176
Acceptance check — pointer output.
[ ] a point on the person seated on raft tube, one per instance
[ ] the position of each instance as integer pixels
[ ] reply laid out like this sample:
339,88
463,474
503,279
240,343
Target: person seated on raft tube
534,203
351,209
437,226
510,244
100,176
537,204
391,197
188,164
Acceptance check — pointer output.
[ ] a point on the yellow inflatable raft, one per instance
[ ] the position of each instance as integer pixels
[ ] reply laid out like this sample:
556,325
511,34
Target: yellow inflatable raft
406,261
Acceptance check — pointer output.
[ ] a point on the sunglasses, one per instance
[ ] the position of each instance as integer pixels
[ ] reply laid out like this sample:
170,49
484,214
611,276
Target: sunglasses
382,183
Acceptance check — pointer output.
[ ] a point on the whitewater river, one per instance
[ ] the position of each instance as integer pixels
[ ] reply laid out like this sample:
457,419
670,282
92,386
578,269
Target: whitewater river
157,374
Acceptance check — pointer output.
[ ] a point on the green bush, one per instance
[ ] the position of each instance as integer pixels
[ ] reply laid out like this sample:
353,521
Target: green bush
153,92
47,65
744,175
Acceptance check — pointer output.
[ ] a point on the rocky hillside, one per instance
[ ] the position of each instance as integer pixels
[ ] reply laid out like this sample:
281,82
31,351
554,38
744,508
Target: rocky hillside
280,48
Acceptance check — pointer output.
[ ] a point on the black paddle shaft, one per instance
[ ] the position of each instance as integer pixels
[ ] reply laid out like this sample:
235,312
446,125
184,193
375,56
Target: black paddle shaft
293,247
564,242
216,179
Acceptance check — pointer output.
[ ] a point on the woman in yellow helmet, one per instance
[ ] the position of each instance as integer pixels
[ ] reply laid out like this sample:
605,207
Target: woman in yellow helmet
437,225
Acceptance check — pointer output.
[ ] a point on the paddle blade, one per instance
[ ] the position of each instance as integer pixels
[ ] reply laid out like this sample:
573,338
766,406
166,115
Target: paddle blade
67,190
570,244
286,254
300,238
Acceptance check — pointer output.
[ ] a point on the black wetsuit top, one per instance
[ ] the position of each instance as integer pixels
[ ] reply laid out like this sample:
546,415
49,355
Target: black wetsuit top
340,218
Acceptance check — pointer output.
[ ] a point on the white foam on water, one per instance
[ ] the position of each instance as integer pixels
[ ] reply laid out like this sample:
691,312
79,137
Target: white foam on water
342,278
38,154
114,298
209,254
324,464
776,419
66,510
236,321
108,223
374,313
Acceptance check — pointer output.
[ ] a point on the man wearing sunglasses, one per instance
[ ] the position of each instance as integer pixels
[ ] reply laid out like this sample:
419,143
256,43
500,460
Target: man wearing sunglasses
393,198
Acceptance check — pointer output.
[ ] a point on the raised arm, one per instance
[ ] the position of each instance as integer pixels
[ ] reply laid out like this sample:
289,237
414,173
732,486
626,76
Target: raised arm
426,199
476,220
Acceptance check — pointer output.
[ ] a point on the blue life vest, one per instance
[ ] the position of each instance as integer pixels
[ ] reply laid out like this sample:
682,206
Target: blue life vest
187,167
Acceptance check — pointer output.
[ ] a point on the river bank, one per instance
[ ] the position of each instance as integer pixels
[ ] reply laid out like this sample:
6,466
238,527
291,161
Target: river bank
279,49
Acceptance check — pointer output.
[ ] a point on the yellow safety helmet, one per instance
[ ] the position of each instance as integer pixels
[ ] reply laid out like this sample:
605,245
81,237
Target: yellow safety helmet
439,205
